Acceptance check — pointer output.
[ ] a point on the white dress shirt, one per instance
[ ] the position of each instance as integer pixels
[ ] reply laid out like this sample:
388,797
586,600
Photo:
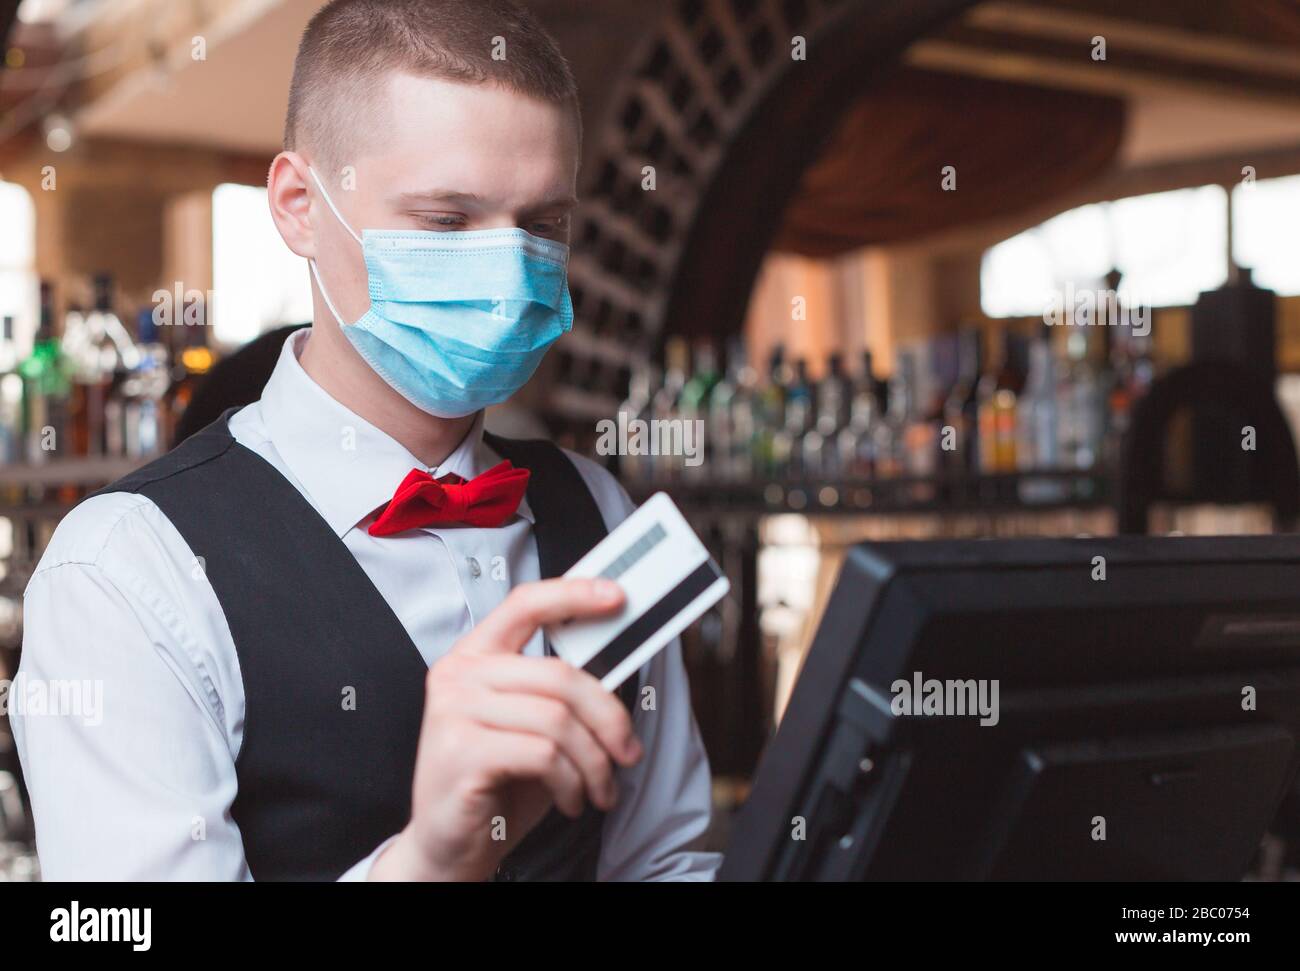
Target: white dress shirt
142,789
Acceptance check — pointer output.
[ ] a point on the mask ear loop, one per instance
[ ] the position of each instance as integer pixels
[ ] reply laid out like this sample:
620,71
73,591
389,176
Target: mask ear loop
330,202
311,262
325,293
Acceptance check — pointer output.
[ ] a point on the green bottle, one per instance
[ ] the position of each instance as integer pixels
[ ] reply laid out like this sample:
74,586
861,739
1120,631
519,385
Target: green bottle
45,387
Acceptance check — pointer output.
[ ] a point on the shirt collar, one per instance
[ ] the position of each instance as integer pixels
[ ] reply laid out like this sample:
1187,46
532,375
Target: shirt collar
347,466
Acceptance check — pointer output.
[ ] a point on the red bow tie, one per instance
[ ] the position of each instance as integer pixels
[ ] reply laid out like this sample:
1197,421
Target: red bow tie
421,500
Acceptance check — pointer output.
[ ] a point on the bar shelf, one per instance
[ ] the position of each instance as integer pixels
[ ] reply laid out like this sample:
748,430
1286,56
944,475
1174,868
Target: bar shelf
1044,490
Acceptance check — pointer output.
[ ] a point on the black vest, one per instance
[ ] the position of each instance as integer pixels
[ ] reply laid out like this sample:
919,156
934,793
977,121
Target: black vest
320,784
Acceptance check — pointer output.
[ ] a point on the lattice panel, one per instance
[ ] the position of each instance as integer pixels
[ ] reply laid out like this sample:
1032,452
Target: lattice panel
689,89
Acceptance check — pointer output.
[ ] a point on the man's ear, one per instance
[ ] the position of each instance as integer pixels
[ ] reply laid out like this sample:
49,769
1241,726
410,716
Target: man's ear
290,202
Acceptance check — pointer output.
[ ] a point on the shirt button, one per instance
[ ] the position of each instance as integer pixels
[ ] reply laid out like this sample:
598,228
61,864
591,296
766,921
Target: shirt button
475,570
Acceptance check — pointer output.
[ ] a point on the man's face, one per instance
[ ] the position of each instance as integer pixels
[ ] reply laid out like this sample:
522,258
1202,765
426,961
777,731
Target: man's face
448,157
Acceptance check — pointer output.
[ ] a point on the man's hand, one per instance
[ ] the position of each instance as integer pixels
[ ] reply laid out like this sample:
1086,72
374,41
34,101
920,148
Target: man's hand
504,737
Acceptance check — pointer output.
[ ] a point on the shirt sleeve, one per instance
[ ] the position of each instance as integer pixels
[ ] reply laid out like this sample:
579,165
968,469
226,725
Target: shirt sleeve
127,707
665,800
135,782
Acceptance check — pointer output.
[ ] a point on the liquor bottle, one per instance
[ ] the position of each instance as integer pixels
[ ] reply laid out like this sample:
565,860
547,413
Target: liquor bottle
116,357
998,391
866,380
86,397
1079,405
100,355
731,418
961,407
921,427
1129,374
799,416
1038,425
879,386
700,385
191,359
11,397
890,440
666,405
1144,365
770,415
143,392
12,433
45,389
1037,435
843,397
695,409
116,349
856,442
637,466
74,331
831,401
909,441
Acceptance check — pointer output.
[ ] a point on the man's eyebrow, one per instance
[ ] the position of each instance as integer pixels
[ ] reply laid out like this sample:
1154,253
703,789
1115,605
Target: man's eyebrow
562,201
439,195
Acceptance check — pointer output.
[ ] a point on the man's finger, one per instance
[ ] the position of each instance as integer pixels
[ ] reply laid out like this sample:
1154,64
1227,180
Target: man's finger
510,626
540,715
517,756
599,710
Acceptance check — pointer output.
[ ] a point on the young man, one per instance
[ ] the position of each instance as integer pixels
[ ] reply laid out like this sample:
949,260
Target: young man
317,624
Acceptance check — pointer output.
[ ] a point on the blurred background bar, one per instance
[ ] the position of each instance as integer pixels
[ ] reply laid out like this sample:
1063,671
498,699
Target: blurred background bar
843,270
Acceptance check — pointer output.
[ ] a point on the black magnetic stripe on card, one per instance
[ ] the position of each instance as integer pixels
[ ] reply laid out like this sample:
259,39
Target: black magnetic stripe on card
642,629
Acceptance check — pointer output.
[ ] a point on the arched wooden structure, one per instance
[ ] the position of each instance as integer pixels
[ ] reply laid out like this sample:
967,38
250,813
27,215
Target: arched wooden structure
720,111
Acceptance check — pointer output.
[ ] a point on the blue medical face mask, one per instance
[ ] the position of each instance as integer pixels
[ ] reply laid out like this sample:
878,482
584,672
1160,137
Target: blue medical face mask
459,320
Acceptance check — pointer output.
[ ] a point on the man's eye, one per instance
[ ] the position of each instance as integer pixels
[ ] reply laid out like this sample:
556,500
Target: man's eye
441,221
547,227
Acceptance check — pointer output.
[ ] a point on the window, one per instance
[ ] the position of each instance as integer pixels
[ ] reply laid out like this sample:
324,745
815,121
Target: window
1170,246
1266,232
18,290
259,284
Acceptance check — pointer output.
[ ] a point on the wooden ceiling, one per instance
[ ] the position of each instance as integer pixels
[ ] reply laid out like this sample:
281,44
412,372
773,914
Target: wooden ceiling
694,88
1260,21
1237,50
1241,48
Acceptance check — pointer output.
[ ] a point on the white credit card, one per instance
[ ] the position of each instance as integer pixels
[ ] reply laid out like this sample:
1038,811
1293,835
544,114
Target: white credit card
668,578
